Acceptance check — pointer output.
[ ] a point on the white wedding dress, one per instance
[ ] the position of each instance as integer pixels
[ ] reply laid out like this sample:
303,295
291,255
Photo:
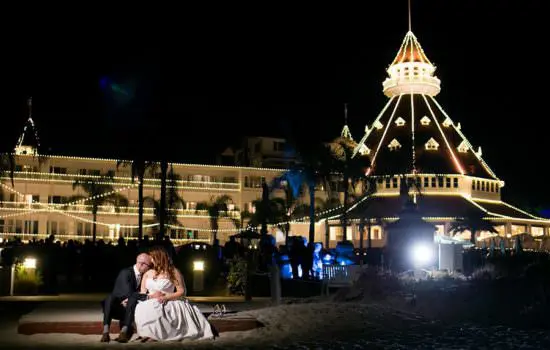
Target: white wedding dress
175,320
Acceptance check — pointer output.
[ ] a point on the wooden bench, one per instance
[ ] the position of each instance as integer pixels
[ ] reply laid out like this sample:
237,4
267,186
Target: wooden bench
223,324
337,276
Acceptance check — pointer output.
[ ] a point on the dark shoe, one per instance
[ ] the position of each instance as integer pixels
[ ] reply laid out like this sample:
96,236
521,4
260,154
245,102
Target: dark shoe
215,331
105,338
122,337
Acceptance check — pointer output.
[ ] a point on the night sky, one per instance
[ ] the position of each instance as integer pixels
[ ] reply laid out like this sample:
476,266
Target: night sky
199,79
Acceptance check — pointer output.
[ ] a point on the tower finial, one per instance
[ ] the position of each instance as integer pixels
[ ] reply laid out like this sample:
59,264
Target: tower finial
345,131
410,25
345,113
29,104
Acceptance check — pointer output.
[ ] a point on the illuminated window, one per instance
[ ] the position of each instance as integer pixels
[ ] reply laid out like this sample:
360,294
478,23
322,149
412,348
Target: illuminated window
463,147
447,122
394,145
364,150
378,125
425,121
432,145
537,231
400,121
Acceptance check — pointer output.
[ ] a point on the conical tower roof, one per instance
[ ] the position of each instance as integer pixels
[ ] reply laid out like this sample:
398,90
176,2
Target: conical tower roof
413,134
28,142
410,51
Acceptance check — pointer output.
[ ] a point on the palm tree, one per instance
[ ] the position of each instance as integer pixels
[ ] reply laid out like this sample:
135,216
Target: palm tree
7,168
173,199
139,167
217,207
474,222
272,212
99,193
286,205
162,206
352,169
315,165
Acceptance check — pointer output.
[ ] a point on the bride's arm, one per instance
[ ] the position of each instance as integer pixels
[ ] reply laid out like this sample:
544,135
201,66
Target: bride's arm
180,288
146,276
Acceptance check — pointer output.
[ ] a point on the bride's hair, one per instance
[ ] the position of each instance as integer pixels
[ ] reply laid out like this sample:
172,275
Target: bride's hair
162,263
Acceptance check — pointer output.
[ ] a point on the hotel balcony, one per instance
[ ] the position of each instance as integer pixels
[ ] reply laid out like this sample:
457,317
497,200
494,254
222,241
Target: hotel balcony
103,209
123,181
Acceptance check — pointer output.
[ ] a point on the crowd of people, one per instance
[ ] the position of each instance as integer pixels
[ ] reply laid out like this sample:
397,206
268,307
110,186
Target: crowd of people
72,266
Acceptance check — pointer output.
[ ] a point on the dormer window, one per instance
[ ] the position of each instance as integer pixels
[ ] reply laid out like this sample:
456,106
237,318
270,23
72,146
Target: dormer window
425,121
364,150
448,122
479,153
400,121
394,145
378,125
463,147
432,145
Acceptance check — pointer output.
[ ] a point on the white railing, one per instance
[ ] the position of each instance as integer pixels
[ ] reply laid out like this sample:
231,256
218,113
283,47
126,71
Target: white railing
107,209
122,181
339,276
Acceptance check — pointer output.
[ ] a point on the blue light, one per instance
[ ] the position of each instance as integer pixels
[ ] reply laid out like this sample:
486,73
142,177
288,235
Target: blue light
104,82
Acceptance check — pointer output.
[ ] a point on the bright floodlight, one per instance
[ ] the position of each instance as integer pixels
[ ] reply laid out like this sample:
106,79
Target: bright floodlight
29,263
198,265
422,254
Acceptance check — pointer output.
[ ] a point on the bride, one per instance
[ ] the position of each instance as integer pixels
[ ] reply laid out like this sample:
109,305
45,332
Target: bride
168,317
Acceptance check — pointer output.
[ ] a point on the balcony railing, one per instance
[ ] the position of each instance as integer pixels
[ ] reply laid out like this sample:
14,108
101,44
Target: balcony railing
203,237
148,182
105,209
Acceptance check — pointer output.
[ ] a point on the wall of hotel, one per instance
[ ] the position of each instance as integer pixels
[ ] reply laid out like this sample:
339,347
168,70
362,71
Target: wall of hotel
55,177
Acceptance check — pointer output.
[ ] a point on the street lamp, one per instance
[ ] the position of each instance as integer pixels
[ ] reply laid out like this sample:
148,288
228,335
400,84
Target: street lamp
198,265
29,263
422,254
198,275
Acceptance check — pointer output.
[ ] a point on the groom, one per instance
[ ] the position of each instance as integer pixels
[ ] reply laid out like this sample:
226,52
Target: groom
122,301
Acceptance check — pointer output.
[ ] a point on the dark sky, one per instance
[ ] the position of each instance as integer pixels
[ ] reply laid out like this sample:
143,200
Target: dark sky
198,79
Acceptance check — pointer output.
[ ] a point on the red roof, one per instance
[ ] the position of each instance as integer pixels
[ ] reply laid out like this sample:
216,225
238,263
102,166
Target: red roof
410,51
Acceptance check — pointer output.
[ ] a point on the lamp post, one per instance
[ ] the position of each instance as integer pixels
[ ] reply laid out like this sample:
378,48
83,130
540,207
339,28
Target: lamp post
28,263
198,275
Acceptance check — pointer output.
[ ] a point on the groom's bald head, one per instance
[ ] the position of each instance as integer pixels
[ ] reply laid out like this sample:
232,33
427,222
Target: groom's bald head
143,262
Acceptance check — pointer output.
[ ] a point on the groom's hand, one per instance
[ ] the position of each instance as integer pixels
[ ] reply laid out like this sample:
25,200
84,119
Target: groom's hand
155,295
124,302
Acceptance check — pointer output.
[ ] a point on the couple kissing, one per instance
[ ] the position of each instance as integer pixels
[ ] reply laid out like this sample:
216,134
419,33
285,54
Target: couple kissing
151,295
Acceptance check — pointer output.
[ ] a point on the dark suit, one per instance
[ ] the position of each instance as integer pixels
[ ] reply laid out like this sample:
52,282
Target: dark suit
126,287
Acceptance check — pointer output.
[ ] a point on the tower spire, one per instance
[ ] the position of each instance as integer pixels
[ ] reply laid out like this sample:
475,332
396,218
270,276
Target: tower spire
346,133
410,25
345,113
20,148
